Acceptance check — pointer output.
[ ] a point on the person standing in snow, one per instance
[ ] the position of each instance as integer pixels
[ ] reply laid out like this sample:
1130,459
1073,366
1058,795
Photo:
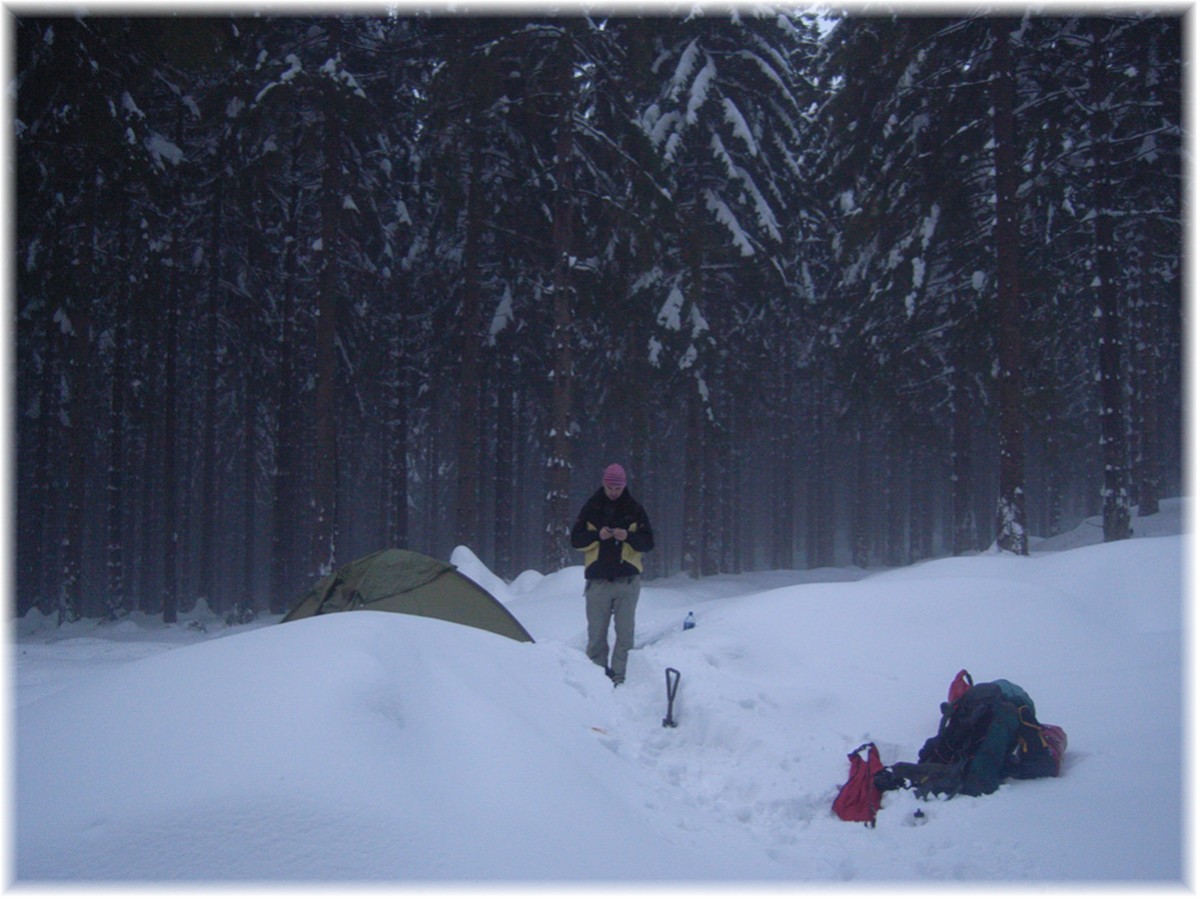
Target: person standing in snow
613,532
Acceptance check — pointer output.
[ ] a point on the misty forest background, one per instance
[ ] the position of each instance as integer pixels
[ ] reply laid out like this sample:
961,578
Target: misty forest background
860,292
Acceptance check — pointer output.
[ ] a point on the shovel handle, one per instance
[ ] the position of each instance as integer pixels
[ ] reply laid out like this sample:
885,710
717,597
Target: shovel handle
672,687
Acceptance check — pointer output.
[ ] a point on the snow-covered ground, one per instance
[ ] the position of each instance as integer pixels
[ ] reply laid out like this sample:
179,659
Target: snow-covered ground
386,749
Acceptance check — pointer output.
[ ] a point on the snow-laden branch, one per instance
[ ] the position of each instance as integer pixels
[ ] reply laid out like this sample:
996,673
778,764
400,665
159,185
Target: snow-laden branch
734,117
720,209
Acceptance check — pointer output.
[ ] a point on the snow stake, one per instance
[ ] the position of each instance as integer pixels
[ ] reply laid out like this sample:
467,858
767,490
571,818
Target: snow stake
672,687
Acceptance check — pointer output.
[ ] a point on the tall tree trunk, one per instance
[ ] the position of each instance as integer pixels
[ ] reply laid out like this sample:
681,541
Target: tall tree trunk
504,471
559,465
79,376
151,490
1149,326
208,492
1114,455
170,432
783,443
396,443
694,488
174,303
467,515
783,505
40,551
820,524
527,541
1011,533
693,482
1054,485
715,475
731,494
896,455
284,488
325,417
252,395
115,604
964,529
142,492
860,525
920,504
245,605
715,458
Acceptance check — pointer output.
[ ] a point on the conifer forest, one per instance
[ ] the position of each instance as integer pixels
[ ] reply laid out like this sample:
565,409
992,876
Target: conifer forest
836,290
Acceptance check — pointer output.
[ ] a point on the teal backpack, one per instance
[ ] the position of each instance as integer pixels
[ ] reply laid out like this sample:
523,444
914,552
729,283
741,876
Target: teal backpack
989,732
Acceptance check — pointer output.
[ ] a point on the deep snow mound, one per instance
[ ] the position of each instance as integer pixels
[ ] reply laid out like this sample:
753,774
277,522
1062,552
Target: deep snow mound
383,747
354,746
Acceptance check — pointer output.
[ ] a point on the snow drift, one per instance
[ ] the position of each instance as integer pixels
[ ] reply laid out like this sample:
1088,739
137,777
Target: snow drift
375,747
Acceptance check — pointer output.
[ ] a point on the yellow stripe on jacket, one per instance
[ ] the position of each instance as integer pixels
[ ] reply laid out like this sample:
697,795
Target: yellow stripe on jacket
591,552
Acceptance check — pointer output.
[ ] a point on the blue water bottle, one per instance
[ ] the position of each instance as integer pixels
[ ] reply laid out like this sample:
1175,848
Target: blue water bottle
689,622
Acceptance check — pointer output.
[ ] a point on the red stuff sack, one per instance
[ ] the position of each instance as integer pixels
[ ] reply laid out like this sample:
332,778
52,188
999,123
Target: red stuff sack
962,683
859,799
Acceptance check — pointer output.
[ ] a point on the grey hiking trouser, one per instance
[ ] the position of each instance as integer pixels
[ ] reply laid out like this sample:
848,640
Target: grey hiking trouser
616,600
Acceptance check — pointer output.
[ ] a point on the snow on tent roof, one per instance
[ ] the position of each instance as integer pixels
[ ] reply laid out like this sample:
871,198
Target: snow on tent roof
407,582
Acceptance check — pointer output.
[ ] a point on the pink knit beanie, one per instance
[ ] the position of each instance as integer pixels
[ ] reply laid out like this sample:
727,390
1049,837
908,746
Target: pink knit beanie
614,476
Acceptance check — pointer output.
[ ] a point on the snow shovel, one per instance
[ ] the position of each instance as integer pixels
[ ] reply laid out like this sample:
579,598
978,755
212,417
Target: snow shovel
672,687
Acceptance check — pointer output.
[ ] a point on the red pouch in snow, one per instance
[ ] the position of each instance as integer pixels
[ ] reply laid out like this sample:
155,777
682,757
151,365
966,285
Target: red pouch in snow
859,799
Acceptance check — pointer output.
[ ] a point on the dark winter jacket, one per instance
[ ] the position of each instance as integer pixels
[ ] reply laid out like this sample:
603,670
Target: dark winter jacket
612,558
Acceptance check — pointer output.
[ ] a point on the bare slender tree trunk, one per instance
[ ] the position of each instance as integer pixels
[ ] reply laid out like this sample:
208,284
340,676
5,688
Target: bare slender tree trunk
1149,328
250,399
1011,533
38,554
71,599
860,525
396,449
821,518
692,545
503,517
896,455
170,604
556,545
920,503
466,519
325,463
251,325
115,603
965,529
284,488
1114,454
782,501
208,490
693,483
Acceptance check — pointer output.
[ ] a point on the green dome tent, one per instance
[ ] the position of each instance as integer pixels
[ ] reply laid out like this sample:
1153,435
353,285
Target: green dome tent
406,582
